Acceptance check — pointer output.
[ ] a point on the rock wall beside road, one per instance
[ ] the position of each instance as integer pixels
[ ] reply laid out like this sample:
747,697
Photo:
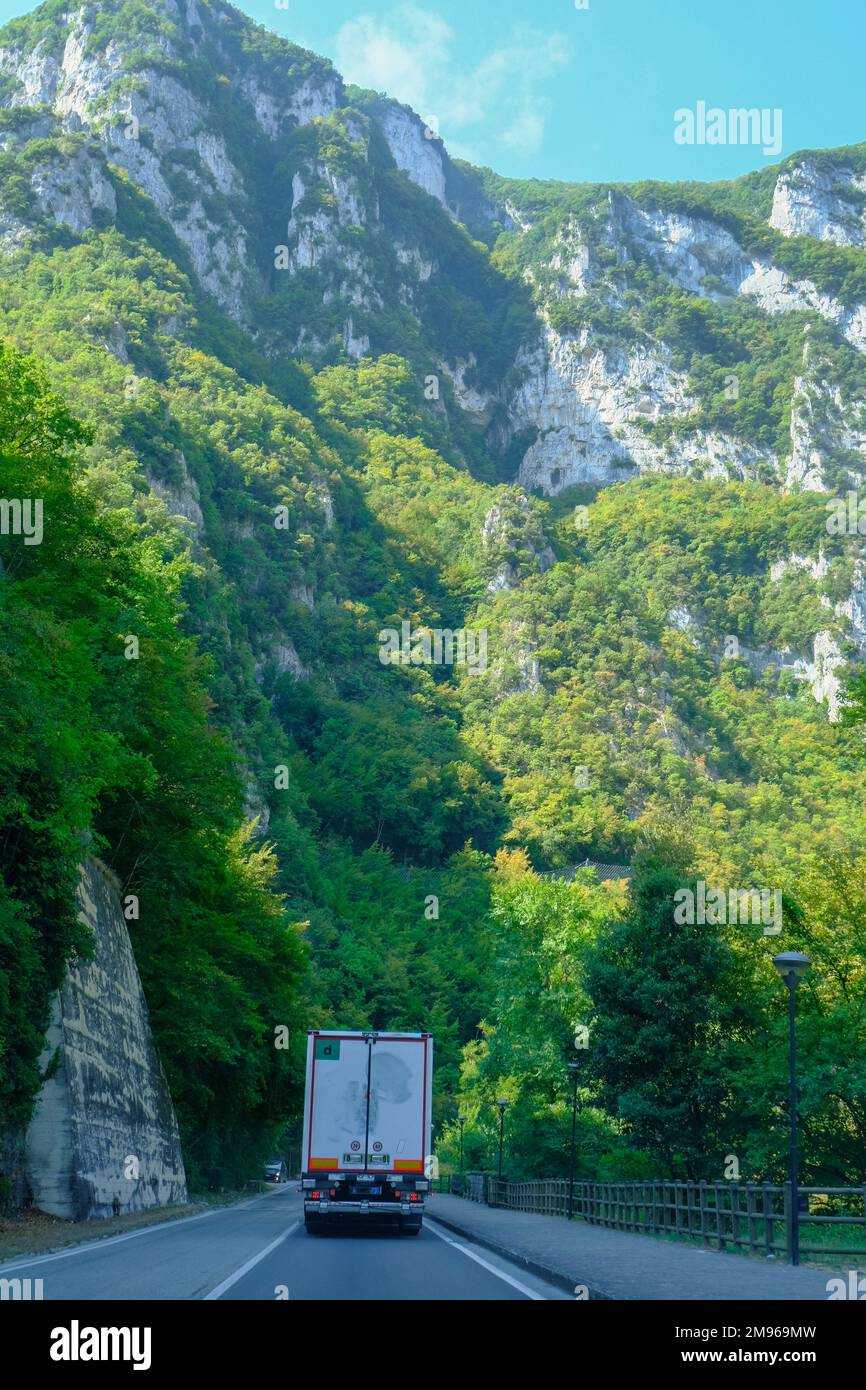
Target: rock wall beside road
103,1133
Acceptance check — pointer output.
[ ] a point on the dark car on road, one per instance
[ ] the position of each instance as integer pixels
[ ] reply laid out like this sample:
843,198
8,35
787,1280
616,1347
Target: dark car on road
276,1171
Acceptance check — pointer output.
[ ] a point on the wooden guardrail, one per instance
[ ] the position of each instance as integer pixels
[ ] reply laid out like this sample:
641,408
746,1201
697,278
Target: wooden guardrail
753,1218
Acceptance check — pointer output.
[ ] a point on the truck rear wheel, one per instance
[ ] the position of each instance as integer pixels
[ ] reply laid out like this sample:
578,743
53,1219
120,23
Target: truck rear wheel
410,1228
314,1224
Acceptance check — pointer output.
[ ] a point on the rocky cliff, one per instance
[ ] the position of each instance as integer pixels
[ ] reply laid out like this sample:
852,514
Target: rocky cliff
103,1137
277,183
577,336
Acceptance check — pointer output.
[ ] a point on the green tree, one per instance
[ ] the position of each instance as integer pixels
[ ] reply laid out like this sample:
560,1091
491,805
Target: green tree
663,999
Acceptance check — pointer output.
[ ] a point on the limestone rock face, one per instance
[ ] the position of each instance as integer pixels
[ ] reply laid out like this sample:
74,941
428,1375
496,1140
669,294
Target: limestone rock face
589,407
12,1166
821,663
103,1132
418,155
826,203
691,250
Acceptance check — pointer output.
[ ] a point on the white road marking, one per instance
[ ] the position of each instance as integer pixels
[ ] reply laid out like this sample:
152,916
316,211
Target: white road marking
88,1245
250,1264
102,1243
278,1190
500,1274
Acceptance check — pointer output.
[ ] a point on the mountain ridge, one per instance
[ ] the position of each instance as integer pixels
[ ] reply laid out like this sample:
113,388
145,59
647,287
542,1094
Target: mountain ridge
302,174
600,424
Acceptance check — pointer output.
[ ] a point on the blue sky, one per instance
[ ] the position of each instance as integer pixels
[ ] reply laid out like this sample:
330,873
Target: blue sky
549,90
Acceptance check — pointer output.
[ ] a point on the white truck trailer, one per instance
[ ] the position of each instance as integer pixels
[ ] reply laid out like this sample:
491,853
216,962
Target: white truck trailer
367,1128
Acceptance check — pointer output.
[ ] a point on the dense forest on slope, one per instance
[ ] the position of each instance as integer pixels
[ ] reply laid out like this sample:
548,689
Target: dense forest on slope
110,751
257,472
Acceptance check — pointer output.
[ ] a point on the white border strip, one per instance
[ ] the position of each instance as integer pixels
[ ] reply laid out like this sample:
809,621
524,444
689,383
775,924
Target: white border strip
500,1274
85,1247
102,1242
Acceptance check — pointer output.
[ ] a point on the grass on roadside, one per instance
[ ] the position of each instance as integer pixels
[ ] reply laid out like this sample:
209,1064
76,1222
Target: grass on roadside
32,1232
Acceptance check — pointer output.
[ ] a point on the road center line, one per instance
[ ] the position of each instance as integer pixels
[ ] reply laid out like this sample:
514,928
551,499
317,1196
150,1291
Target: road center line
500,1274
250,1264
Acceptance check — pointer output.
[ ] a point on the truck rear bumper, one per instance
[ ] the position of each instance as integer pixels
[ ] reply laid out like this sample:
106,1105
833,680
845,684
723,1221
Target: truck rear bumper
364,1208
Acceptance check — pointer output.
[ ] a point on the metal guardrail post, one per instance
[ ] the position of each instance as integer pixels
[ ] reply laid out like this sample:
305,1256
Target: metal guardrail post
789,1220
752,1221
768,1218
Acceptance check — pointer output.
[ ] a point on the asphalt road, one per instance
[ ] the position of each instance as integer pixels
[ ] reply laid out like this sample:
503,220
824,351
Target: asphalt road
259,1250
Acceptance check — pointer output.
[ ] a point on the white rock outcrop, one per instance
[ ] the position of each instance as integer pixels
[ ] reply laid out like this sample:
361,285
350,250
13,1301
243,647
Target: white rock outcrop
696,253
75,191
103,1135
826,203
823,667
588,406
413,151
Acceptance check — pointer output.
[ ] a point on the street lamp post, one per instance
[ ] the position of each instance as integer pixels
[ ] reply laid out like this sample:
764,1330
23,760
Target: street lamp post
792,967
574,1068
502,1105
461,1120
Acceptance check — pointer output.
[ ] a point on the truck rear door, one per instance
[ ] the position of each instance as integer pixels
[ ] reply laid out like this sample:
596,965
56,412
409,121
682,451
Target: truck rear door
369,1103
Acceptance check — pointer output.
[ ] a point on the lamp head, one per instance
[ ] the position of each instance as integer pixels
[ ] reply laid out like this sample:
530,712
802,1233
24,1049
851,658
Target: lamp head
791,965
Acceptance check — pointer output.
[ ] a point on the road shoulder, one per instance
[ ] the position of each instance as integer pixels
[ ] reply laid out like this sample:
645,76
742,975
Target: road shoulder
614,1265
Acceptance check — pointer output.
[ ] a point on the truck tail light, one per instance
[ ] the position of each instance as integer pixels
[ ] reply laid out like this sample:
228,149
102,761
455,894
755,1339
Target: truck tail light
333,1192
315,1196
413,1197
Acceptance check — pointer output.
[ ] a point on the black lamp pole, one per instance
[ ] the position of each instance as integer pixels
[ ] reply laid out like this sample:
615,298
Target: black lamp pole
792,967
502,1104
574,1068
461,1120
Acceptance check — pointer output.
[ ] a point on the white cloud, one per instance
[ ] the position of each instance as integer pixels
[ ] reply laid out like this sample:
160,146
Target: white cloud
526,133
397,55
410,54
